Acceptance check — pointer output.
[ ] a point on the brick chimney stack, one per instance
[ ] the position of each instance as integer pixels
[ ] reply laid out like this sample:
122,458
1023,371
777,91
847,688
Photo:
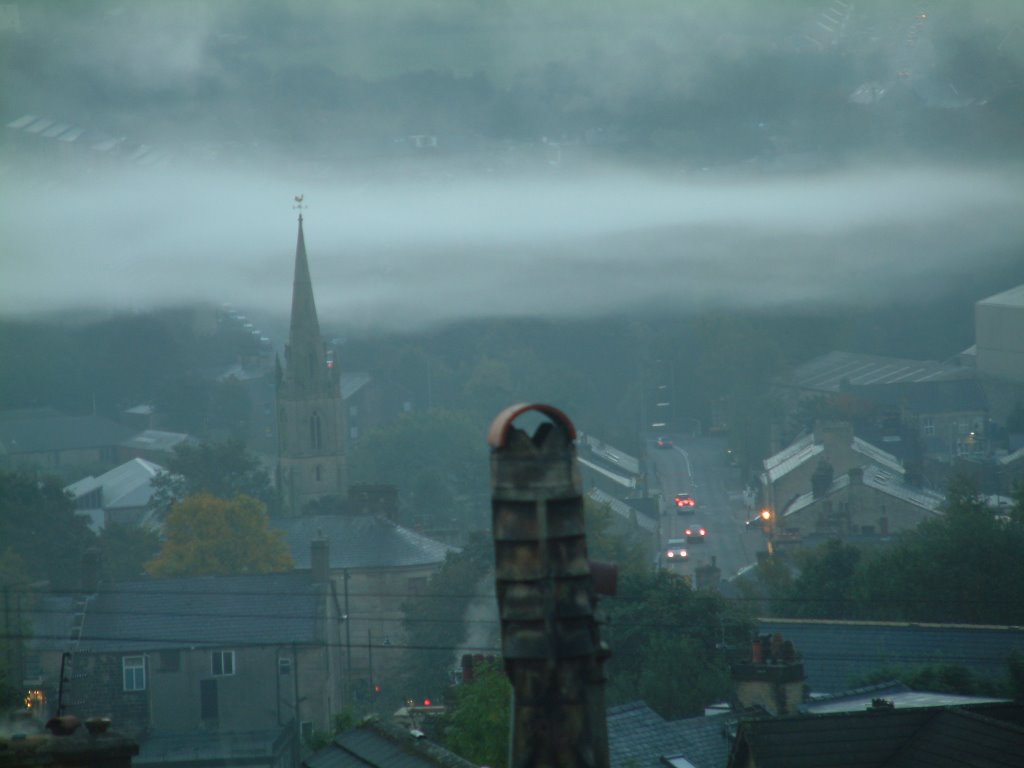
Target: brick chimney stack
773,678
320,559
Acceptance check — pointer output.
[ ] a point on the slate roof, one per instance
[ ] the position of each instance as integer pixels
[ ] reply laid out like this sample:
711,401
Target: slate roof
622,509
638,737
612,456
885,738
360,541
156,440
803,450
161,749
127,486
375,743
901,696
836,654
877,455
831,371
880,480
256,609
944,396
624,481
43,430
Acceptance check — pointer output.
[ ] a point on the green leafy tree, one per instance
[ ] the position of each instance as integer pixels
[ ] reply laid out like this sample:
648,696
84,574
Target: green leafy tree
224,469
437,460
38,521
657,623
125,550
966,566
824,587
205,535
477,728
613,540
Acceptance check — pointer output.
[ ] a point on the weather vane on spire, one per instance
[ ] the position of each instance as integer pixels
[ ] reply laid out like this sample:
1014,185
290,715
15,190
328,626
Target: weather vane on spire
299,205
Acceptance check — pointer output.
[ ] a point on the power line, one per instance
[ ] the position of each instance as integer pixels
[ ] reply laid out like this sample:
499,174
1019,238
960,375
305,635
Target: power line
205,644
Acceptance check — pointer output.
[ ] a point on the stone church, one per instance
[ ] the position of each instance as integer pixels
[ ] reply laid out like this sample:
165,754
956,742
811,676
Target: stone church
310,412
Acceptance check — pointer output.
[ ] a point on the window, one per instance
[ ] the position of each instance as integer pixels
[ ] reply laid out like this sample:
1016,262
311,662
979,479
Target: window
284,666
927,425
315,436
318,473
223,663
306,730
134,670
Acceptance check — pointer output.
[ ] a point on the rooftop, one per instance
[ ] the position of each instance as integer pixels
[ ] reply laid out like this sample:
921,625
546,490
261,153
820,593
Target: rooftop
360,541
1011,298
834,370
882,480
261,609
836,654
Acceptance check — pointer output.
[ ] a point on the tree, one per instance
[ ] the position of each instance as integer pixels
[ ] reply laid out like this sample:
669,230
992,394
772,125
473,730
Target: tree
223,469
205,535
38,521
437,460
477,728
656,626
125,550
824,587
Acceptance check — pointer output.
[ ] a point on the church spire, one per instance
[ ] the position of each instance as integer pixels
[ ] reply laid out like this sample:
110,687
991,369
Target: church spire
305,327
310,412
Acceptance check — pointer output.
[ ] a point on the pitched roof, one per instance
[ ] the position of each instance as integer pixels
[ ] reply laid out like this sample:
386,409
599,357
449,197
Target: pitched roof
640,737
943,396
622,509
883,738
156,440
360,541
376,743
899,694
881,480
256,609
831,371
877,455
124,487
835,654
160,749
41,430
1011,298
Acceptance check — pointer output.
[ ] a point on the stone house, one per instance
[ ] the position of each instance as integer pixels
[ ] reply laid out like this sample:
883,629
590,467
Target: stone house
866,500
375,566
255,660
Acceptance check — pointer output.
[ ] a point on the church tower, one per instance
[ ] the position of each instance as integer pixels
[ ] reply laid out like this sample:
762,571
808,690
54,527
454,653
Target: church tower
310,411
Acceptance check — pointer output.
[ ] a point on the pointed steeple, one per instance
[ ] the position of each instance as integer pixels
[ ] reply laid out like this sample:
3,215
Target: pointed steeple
304,324
310,411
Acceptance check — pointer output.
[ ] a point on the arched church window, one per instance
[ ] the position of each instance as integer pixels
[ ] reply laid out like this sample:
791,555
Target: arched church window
315,437
318,473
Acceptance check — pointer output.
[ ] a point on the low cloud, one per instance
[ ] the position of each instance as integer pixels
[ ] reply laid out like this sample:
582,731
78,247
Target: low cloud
392,254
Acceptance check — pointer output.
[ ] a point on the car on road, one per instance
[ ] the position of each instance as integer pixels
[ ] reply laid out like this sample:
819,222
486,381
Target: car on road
663,442
685,503
695,534
675,551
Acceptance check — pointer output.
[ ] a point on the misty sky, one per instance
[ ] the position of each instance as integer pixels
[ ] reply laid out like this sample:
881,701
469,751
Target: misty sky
406,251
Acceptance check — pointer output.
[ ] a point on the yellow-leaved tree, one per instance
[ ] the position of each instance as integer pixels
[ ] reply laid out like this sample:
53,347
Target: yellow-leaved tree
207,535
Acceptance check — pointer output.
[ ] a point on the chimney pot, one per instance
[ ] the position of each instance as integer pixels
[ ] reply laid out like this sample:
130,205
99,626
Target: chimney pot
320,560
